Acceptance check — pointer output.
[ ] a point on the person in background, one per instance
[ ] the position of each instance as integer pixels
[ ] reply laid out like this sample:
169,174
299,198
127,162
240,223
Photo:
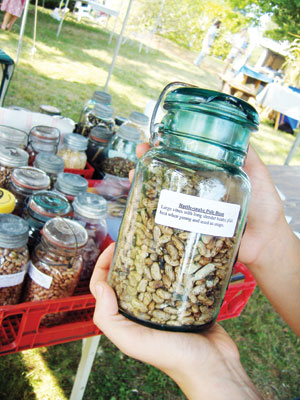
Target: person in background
240,42
13,10
207,365
208,42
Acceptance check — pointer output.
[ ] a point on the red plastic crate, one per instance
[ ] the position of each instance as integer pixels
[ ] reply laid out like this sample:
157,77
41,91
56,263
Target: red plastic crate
87,173
20,324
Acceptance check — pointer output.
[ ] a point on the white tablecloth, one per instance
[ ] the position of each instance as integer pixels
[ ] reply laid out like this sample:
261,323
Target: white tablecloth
282,99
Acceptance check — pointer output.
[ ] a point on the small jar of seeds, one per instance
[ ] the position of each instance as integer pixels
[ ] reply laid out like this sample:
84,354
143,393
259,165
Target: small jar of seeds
52,164
73,151
10,136
186,212
120,154
25,181
56,263
14,257
99,115
10,158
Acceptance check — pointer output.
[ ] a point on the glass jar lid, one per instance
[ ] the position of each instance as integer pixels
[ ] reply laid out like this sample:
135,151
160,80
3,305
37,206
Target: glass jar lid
49,162
12,137
103,111
100,134
65,233
102,97
48,204
128,132
139,118
49,110
90,205
74,141
13,156
13,231
30,178
7,201
46,133
71,184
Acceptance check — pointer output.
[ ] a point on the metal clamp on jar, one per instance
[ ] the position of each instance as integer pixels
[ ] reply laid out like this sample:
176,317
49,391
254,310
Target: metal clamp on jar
186,212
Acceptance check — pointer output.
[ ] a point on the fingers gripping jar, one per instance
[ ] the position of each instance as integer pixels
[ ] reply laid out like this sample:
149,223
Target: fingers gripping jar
14,257
56,263
186,211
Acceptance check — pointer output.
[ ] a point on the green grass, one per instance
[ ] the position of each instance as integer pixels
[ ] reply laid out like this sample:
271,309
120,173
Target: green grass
64,73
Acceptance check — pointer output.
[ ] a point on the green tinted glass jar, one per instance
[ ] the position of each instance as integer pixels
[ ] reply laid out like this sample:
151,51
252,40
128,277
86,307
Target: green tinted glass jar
185,213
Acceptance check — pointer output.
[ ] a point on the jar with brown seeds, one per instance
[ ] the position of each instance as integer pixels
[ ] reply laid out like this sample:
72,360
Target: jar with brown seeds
14,257
10,158
56,264
191,186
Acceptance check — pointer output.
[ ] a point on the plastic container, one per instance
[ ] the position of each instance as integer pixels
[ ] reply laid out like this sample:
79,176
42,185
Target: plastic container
186,212
73,151
52,164
120,155
10,136
90,211
56,263
70,185
42,139
10,158
41,207
24,182
99,115
14,257
7,202
21,329
140,122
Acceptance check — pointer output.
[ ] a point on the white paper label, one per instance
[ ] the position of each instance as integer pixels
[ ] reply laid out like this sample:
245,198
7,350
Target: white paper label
12,279
195,214
39,277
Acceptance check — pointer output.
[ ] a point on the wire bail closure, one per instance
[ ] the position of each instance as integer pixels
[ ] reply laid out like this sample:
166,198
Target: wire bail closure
156,128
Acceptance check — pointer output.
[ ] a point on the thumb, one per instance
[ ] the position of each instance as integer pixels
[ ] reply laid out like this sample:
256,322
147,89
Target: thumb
106,302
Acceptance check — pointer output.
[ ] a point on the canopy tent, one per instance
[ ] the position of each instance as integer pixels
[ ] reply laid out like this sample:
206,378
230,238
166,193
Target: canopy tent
23,24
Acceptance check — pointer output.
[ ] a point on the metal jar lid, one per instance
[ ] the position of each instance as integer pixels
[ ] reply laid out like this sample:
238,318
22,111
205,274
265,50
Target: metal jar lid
48,204
30,178
70,184
13,231
74,141
12,137
100,134
128,132
139,118
49,162
49,110
65,233
103,111
13,156
45,133
7,201
102,97
90,205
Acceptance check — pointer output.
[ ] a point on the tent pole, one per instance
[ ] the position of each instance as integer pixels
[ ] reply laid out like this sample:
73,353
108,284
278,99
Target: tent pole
62,18
25,12
33,49
118,46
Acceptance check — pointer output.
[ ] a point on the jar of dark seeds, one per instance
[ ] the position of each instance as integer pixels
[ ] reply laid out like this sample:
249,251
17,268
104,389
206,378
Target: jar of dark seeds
186,212
120,155
99,115
52,164
25,181
14,257
41,207
10,158
56,264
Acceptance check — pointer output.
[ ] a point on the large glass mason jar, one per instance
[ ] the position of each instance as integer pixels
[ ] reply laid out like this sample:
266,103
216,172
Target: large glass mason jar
185,213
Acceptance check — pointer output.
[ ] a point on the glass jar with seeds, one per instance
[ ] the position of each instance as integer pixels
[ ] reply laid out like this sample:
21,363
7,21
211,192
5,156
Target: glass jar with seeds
14,257
56,263
10,158
99,115
186,212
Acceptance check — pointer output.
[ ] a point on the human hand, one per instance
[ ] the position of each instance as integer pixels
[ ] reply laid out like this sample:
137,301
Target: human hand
204,365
